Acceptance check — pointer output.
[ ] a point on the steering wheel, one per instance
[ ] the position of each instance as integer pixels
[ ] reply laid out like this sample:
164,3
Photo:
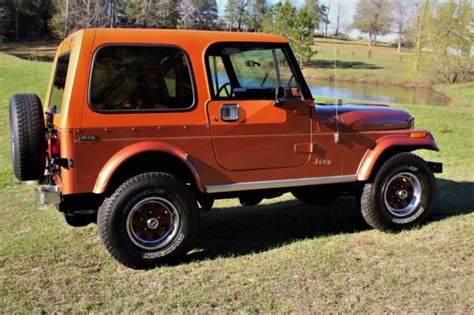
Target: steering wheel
226,88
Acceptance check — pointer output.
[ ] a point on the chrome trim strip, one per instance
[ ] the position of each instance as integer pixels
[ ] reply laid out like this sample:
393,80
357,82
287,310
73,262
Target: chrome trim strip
268,184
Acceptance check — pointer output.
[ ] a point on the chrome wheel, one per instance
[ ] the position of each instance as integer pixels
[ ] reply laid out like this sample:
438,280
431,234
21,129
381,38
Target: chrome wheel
152,223
402,194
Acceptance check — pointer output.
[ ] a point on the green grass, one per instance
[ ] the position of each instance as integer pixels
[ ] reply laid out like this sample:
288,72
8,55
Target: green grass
279,256
461,94
359,62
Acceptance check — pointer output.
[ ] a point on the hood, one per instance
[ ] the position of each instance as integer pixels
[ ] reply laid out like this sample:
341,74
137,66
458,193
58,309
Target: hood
373,117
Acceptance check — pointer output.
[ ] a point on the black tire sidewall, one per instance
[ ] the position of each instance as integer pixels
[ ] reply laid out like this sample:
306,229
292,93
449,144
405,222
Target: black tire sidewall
418,168
13,138
123,204
27,137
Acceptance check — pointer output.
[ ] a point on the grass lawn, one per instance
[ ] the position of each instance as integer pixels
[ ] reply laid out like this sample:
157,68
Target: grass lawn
279,256
359,62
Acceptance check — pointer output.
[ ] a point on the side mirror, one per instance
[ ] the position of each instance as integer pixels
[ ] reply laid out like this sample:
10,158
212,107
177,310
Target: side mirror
281,94
252,63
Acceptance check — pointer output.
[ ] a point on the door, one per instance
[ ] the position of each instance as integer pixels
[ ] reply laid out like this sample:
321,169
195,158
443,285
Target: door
252,126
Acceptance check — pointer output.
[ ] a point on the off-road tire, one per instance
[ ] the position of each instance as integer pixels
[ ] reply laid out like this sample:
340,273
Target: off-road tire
373,205
316,195
27,137
112,220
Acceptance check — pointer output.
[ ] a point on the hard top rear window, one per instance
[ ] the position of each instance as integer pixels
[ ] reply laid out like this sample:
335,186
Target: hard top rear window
59,83
141,78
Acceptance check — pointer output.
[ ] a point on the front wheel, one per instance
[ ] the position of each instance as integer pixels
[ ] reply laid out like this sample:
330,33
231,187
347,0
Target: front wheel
401,195
151,219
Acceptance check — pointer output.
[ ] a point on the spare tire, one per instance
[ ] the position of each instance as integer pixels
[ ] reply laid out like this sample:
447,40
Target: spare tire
27,137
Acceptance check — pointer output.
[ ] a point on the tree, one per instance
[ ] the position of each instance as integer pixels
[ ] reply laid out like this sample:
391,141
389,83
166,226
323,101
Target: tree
187,9
304,26
21,19
401,18
279,19
258,8
339,18
72,15
236,13
373,17
450,37
138,12
417,29
325,10
45,11
205,15
296,25
5,17
314,9
166,14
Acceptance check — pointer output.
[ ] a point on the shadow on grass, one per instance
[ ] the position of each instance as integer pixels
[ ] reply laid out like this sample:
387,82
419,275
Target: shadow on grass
321,63
236,231
453,198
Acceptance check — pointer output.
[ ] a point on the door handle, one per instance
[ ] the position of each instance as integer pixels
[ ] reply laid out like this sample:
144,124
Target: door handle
230,112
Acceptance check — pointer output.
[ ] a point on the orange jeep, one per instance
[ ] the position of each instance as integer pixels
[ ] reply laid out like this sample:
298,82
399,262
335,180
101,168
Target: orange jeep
140,127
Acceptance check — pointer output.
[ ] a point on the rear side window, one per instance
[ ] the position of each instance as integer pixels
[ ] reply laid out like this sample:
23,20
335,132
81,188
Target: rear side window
141,78
59,82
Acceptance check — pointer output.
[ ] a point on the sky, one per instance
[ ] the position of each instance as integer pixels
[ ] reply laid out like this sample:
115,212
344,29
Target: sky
348,7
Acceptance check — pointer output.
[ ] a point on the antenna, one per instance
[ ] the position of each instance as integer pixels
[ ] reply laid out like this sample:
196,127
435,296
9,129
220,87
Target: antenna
339,103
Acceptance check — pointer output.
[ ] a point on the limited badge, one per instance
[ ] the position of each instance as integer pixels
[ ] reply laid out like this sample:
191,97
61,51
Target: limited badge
88,138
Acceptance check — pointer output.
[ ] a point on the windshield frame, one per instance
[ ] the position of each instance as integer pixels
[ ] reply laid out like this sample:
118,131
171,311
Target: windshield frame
292,63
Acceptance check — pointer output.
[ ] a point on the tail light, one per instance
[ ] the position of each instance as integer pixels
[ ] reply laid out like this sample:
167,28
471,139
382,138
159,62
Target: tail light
54,148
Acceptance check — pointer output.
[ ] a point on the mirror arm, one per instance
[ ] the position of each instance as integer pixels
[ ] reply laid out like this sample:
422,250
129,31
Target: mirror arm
279,102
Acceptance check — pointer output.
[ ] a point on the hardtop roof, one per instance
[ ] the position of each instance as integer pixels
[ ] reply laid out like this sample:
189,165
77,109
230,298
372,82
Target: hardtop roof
193,41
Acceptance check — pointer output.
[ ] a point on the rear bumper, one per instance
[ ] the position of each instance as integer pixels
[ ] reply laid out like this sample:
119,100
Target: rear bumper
47,194
436,167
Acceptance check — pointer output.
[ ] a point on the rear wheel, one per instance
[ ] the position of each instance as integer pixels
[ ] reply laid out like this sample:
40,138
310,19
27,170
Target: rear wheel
151,219
27,137
401,195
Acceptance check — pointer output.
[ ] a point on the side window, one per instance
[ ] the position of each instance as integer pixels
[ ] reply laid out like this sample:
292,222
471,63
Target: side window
141,78
220,79
250,72
59,82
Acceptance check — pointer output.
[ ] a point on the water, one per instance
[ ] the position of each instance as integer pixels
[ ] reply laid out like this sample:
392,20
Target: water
376,93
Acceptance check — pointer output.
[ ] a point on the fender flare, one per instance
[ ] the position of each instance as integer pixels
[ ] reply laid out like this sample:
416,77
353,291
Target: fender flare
372,156
128,152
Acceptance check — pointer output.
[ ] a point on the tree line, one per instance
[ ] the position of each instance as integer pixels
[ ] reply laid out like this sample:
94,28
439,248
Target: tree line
443,28
44,19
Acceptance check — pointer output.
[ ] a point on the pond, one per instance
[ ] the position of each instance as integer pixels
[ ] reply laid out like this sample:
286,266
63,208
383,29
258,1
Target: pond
376,93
